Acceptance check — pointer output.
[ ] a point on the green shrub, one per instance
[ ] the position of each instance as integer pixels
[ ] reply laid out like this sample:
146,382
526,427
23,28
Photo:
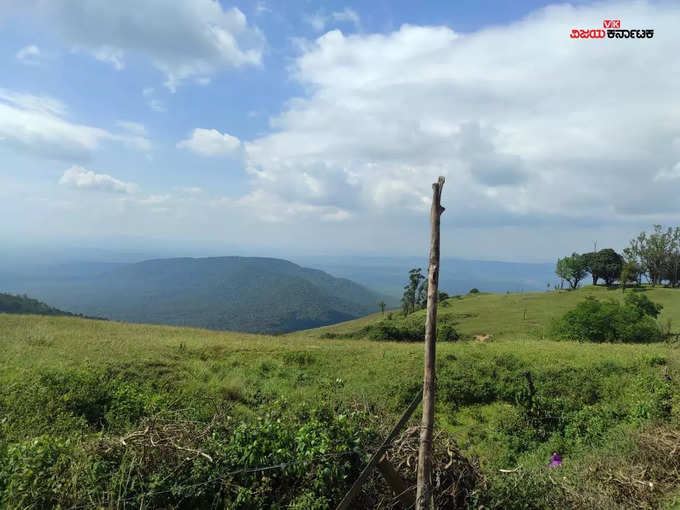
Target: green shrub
643,304
321,456
410,329
609,321
32,473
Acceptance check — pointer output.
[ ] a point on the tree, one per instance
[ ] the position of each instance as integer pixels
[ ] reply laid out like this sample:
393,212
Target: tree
572,269
608,265
591,265
655,252
409,299
381,305
421,295
629,274
605,264
672,271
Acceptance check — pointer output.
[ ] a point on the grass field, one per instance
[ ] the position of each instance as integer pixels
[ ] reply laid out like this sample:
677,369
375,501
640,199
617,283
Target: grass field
81,401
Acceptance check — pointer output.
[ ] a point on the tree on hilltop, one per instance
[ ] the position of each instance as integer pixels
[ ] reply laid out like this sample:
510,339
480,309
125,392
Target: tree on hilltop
658,254
409,299
572,269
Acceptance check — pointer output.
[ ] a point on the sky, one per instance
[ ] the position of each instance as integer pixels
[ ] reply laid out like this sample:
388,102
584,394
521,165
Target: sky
275,128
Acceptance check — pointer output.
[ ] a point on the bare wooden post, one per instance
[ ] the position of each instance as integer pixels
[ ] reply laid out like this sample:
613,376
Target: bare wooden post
356,486
403,492
424,489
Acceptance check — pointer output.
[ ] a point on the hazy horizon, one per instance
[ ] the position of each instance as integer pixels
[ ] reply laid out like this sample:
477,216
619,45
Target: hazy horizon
316,130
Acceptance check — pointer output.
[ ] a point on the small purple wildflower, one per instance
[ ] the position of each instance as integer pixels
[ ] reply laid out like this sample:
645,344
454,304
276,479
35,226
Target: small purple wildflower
555,460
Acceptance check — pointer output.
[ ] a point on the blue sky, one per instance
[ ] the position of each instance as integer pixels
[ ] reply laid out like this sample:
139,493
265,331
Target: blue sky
301,127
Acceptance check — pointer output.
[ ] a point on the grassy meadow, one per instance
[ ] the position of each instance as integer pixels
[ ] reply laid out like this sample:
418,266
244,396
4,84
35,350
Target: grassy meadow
97,414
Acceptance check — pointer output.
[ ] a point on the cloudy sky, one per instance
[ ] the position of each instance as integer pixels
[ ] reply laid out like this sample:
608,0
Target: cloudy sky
272,127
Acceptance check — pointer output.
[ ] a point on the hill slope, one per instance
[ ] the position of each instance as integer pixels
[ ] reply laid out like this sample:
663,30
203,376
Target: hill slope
248,294
10,303
514,315
97,412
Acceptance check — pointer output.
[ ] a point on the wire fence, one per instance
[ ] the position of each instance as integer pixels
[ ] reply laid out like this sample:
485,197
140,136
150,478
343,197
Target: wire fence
221,478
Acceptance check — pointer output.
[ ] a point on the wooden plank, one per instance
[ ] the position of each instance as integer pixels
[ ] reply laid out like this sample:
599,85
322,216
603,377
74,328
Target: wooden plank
424,485
356,486
401,490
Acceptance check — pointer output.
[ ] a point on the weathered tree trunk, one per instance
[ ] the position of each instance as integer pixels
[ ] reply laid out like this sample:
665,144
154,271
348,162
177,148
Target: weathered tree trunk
424,484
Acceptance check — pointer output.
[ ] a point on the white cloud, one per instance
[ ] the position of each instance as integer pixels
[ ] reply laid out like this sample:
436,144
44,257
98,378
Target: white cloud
42,104
110,55
30,54
316,21
349,16
134,128
183,38
210,142
81,178
668,174
155,104
319,21
530,127
39,125
261,7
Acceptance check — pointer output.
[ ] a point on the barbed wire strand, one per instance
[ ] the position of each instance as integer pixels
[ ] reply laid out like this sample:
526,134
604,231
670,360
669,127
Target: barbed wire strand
223,477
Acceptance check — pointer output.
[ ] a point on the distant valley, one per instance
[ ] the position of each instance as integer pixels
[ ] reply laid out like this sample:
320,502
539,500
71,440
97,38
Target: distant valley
457,276
253,294
250,294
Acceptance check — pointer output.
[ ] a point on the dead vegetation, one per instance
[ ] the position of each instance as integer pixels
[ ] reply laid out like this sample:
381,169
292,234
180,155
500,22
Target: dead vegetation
651,473
166,438
455,478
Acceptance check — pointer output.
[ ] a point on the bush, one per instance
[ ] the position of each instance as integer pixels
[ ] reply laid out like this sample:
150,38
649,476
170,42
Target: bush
321,454
474,290
406,330
643,304
32,473
610,321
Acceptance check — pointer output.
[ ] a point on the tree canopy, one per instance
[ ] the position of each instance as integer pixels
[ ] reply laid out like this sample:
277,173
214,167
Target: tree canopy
658,255
572,269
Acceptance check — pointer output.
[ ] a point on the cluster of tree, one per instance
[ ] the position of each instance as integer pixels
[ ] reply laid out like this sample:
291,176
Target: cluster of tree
604,264
654,256
415,292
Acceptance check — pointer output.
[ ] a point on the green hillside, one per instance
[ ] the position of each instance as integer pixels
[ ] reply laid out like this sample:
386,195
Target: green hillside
11,303
251,294
123,415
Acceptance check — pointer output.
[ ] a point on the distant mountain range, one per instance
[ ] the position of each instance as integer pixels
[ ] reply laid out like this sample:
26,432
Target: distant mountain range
457,276
253,294
250,294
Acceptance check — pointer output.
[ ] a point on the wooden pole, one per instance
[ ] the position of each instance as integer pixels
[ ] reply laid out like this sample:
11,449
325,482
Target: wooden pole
403,492
373,462
424,487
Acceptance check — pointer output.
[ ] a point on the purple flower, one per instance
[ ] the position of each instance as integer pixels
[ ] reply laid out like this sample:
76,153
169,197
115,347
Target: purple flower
555,460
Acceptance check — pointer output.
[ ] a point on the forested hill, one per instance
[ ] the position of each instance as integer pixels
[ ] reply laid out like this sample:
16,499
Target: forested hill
10,303
264,295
